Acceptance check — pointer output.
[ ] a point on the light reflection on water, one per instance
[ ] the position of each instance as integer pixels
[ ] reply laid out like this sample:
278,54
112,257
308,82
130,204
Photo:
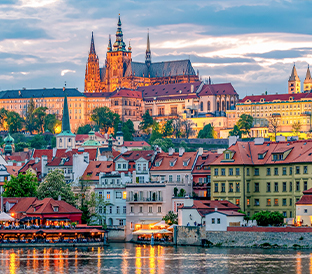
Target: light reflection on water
141,259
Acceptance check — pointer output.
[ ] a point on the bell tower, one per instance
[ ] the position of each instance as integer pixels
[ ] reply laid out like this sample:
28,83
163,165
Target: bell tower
294,84
307,84
118,58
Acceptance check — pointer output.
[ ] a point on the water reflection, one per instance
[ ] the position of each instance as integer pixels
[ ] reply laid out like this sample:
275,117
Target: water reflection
139,259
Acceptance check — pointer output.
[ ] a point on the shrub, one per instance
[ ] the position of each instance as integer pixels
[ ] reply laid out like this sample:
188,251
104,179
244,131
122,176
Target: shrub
265,218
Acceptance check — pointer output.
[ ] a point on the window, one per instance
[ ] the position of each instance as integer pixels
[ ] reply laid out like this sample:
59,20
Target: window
256,187
100,195
216,189
124,210
216,172
178,178
124,195
213,220
284,186
248,202
150,209
305,185
159,209
268,202
248,190
55,209
230,187
305,169
118,195
276,202
268,187
257,203
290,186
276,171
268,171
170,178
108,195
276,187
297,186
231,172
247,171
284,202
117,209
227,156
110,210
290,170
119,166
223,187
290,214
218,221
100,210
237,202
256,171
305,210
222,171
284,171
237,187
131,225
284,214
290,201
237,171
121,222
297,169
140,209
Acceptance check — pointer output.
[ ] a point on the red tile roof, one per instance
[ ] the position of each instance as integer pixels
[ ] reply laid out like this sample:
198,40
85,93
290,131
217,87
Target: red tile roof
128,93
165,159
19,156
135,144
13,170
203,161
217,89
38,153
21,205
94,168
306,198
93,152
275,97
31,164
135,155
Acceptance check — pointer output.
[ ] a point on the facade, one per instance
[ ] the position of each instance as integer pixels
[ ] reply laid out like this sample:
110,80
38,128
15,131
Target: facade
261,175
304,209
220,220
120,71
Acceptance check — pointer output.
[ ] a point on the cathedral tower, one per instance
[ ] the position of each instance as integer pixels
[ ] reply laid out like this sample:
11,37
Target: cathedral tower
92,76
294,82
148,58
307,84
118,59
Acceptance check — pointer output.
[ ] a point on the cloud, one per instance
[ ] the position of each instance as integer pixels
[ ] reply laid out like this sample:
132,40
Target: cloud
64,71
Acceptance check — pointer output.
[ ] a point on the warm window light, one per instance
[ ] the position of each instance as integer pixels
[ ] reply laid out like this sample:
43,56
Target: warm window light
12,214
124,195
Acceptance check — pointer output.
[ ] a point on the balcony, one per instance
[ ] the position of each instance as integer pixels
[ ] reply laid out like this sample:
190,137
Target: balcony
145,200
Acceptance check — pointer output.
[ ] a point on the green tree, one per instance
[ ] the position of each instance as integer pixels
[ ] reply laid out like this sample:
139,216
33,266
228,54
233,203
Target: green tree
206,132
51,122
20,146
245,123
19,137
235,132
39,118
105,118
168,128
54,185
170,218
3,116
23,185
38,142
30,124
182,192
155,133
265,218
187,128
177,127
164,144
84,129
147,122
246,217
296,127
14,121
128,130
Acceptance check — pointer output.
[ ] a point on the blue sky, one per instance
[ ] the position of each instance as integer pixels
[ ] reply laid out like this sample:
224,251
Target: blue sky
252,44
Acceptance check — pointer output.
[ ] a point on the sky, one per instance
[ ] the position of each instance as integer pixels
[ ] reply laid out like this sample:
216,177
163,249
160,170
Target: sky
252,44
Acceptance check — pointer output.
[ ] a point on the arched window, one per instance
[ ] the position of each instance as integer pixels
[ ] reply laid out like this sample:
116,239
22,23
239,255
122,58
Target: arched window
201,106
227,105
208,106
223,105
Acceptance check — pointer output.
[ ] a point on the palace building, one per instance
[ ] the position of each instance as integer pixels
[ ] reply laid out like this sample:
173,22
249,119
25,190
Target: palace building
120,71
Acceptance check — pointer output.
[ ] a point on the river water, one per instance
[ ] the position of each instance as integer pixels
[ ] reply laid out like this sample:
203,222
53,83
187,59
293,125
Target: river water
140,259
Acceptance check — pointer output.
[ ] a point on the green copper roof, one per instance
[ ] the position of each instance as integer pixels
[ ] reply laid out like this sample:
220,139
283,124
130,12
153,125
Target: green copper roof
9,138
65,120
90,143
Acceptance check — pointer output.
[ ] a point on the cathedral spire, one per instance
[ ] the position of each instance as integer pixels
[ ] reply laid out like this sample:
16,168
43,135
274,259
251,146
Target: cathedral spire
92,47
294,75
109,47
148,51
65,119
119,43
308,76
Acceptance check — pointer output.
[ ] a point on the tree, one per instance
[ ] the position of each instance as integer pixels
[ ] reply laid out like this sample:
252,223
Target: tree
54,185
164,144
182,192
296,126
105,118
14,121
3,116
245,123
147,122
38,142
171,218
128,130
235,132
30,119
168,128
265,218
187,128
23,185
39,118
20,146
51,122
177,127
84,129
274,122
19,137
155,133
206,132
246,217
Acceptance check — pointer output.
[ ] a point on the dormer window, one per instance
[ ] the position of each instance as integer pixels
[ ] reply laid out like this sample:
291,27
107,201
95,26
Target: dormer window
186,162
227,156
55,208
277,157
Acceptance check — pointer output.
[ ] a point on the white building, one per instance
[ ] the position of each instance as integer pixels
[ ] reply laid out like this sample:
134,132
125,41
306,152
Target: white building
220,220
304,209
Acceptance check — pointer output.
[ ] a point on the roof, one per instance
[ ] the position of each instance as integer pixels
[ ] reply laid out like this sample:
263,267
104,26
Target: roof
135,144
204,160
294,75
94,168
247,153
165,159
31,164
276,97
227,213
20,156
127,93
135,155
175,91
38,153
217,89
13,170
306,198
22,204
39,93
83,137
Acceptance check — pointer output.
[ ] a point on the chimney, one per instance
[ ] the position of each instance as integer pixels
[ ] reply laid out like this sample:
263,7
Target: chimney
216,209
133,177
232,140
59,198
192,88
171,151
86,157
181,151
280,138
54,152
36,160
200,151
259,141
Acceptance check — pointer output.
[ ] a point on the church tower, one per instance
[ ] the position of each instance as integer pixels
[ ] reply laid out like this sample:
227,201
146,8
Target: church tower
66,139
92,76
294,82
307,84
148,58
118,58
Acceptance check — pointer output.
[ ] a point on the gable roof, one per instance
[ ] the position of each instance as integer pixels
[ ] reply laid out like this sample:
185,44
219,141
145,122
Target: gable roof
217,89
204,160
94,168
135,155
128,93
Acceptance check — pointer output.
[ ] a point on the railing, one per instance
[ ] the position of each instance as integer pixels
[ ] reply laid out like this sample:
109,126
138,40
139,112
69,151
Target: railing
145,199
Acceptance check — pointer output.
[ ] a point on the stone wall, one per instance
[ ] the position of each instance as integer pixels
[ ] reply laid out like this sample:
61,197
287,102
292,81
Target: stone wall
116,235
195,235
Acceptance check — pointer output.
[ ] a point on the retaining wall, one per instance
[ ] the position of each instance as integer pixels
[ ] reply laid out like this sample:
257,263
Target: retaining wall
116,235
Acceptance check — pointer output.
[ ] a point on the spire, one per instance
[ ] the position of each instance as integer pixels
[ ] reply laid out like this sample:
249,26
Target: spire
308,76
65,119
109,47
294,75
92,47
119,43
148,58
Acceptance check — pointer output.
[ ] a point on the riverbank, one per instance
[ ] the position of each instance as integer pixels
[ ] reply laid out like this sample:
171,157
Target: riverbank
46,245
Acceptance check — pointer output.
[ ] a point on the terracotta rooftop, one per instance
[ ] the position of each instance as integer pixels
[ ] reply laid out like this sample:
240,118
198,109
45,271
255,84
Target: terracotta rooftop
135,155
13,170
203,161
94,168
127,93
135,144
218,89
276,97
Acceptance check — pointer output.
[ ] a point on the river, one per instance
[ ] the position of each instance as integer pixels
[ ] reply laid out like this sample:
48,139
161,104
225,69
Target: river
139,259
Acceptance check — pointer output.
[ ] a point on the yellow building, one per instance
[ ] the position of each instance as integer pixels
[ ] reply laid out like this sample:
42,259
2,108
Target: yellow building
261,175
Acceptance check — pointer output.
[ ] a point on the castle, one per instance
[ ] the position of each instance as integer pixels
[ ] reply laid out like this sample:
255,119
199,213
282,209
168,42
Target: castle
120,71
